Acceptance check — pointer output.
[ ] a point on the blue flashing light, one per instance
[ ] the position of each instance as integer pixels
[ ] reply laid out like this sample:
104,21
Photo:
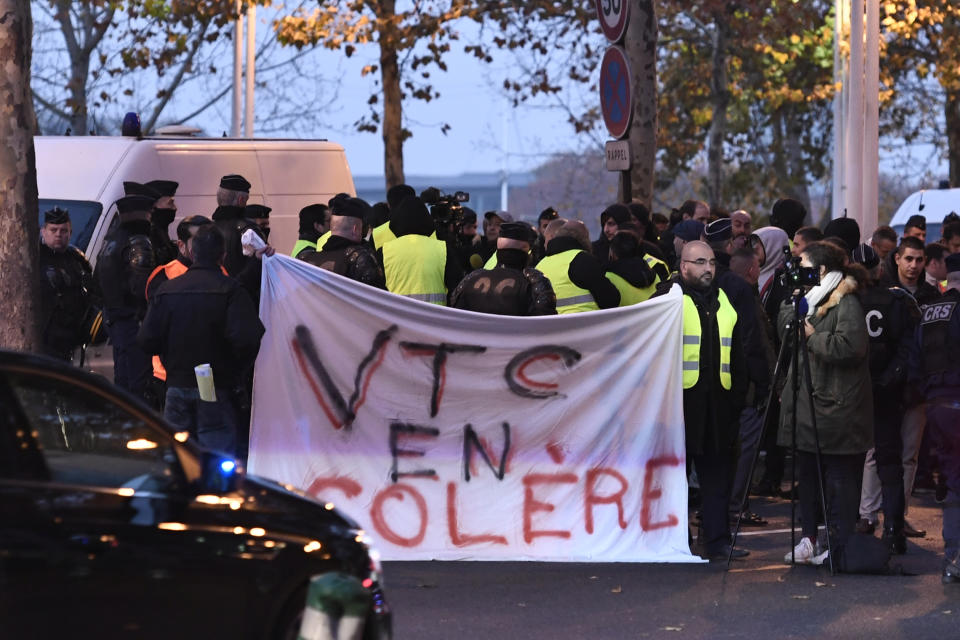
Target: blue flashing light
131,125
228,466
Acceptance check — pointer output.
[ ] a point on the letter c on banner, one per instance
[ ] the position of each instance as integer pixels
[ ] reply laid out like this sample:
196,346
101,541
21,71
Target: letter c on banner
525,387
396,492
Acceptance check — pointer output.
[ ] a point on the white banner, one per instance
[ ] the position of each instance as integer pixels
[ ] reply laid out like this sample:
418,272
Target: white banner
454,435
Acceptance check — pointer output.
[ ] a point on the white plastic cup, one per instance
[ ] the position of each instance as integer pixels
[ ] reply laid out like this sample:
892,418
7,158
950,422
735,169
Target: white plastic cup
205,382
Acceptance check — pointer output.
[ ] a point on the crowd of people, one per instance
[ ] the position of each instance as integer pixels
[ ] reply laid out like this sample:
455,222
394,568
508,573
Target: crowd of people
876,391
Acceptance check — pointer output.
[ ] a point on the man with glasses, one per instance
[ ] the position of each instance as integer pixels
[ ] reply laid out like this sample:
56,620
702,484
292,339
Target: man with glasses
714,384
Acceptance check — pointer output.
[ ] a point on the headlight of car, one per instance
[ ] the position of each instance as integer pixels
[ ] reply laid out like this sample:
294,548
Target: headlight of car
375,569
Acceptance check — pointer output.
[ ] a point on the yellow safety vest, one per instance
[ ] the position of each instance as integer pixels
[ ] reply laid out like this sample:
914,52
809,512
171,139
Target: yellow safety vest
300,246
414,266
322,240
382,235
630,294
570,297
726,319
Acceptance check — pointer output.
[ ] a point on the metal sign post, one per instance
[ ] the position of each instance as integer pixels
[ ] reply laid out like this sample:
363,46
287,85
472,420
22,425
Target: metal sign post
616,95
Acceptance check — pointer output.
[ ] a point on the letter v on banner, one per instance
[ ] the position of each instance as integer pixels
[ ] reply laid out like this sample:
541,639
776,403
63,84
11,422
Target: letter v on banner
339,412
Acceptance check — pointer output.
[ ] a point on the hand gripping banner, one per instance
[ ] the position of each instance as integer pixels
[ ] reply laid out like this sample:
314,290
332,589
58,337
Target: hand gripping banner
453,435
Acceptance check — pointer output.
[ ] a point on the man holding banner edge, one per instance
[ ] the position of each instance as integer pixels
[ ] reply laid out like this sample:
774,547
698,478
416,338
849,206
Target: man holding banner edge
714,389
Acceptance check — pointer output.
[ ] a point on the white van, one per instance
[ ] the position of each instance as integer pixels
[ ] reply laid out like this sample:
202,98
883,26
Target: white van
85,174
932,204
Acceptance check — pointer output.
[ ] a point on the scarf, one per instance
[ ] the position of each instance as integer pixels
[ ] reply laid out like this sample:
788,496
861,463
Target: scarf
820,292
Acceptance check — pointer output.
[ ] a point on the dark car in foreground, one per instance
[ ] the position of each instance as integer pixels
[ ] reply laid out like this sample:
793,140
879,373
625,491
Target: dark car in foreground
114,525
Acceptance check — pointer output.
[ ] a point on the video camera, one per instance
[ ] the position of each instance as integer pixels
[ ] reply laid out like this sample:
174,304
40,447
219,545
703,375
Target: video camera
446,210
796,277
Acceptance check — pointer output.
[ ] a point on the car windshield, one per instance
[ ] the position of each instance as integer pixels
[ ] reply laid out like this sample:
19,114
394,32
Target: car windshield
83,214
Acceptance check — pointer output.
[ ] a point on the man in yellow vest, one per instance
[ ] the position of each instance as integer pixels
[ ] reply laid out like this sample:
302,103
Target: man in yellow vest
396,194
313,224
714,385
633,271
575,274
416,265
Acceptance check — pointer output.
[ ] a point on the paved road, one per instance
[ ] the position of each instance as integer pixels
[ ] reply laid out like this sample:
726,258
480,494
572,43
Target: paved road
760,597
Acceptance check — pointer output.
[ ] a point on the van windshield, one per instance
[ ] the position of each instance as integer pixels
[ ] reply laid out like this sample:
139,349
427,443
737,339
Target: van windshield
83,216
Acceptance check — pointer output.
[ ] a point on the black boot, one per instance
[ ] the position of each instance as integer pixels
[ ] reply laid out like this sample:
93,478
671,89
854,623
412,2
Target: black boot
951,569
897,542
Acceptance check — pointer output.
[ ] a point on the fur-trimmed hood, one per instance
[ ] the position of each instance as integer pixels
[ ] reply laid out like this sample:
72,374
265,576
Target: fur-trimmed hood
847,286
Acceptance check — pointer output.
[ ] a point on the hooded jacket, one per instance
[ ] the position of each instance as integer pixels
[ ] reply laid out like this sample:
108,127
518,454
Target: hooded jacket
840,370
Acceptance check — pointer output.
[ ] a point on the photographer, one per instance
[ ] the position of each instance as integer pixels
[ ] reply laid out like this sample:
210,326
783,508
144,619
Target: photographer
842,403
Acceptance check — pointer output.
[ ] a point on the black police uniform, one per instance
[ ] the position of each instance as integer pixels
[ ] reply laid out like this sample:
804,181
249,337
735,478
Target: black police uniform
233,224
67,297
355,260
509,289
935,365
164,249
123,267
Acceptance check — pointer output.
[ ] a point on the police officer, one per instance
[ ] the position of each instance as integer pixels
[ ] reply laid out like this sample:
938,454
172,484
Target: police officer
162,216
574,273
714,386
935,365
260,214
67,292
891,317
511,288
312,218
123,267
230,218
416,265
345,252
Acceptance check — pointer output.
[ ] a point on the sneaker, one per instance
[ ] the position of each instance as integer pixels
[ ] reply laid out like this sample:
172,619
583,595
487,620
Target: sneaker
803,553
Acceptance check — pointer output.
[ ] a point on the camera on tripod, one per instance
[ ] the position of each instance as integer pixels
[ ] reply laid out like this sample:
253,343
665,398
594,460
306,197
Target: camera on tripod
796,277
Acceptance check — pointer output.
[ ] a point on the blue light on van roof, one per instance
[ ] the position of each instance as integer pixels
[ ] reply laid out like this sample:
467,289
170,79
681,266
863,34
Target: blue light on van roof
228,466
131,125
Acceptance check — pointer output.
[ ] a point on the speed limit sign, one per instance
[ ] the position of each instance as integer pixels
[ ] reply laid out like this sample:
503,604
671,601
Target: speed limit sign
613,16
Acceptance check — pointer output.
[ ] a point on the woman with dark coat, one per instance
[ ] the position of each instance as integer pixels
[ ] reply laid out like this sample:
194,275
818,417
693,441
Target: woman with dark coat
838,347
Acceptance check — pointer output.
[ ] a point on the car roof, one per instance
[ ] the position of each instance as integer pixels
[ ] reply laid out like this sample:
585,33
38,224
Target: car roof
20,359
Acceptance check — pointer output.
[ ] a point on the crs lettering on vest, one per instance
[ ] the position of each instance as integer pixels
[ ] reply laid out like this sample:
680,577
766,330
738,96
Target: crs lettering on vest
938,312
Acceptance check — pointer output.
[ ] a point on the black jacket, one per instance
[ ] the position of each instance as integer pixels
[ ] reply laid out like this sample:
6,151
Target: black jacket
892,317
67,293
710,412
355,260
124,264
246,269
506,290
202,317
164,249
743,298
586,272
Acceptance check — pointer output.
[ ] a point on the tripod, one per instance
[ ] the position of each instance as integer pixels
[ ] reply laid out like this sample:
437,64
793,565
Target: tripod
794,345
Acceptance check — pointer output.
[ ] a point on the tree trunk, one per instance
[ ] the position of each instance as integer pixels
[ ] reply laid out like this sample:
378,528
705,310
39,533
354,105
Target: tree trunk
18,182
641,47
392,126
952,113
720,100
